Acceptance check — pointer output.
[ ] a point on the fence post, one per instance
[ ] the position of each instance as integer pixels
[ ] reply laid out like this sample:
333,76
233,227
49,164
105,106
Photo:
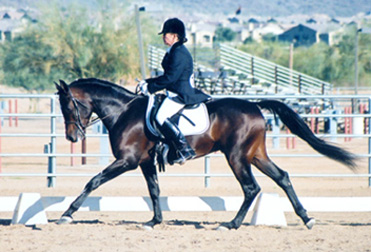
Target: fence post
346,130
288,139
362,110
276,78
252,70
299,84
16,111
10,111
50,180
53,144
347,124
207,171
0,143
312,120
83,151
333,126
2,105
369,142
276,131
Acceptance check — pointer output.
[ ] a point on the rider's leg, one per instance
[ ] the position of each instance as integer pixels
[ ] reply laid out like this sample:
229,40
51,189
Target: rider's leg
171,131
168,108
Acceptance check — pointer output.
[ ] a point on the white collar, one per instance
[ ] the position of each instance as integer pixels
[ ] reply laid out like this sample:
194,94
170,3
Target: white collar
169,49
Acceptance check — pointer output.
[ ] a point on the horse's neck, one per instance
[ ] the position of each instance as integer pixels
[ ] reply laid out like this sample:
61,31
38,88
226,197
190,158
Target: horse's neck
109,108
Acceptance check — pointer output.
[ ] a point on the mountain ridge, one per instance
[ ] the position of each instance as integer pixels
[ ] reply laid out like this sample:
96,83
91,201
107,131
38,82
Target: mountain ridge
266,8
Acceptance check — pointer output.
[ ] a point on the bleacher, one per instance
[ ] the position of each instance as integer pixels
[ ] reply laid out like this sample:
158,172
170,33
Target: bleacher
244,74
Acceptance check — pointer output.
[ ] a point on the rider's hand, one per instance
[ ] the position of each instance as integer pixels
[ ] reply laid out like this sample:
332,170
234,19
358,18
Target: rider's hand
143,87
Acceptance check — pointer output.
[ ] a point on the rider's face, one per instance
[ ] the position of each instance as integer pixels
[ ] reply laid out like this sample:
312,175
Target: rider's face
169,38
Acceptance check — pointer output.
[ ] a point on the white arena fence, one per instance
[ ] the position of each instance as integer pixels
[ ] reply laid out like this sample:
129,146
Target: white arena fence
332,107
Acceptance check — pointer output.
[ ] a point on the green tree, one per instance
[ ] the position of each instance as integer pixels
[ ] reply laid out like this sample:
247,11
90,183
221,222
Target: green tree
314,61
224,34
28,63
74,43
277,52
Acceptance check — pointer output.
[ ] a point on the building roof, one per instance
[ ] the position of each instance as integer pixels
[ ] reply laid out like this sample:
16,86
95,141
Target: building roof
11,14
324,27
270,28
7,25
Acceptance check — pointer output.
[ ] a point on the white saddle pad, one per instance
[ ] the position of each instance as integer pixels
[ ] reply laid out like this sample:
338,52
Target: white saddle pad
198,116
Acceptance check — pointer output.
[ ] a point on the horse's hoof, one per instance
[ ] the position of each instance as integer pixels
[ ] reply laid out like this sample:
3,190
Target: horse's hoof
310,223
145,227
222,228
64,220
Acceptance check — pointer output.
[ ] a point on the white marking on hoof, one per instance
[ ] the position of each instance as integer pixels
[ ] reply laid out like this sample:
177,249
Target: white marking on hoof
310,223
145,227
64,220
222,228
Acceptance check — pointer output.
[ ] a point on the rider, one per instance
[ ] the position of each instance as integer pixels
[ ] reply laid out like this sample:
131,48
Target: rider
178,81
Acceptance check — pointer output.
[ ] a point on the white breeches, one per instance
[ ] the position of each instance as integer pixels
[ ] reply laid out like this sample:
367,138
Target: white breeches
168,109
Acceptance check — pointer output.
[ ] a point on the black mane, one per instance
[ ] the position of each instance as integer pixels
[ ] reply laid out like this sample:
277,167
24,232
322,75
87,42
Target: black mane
101,83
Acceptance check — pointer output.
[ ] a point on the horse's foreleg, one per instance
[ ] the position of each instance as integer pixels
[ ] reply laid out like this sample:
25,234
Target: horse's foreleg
282,179
115,169
250,188
150,174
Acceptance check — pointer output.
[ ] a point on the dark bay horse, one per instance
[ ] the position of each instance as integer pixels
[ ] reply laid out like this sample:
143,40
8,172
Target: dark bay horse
237,128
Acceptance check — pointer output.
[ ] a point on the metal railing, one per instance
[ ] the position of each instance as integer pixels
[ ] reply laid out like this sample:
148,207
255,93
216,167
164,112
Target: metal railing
269,73
52,153
155,56
242,73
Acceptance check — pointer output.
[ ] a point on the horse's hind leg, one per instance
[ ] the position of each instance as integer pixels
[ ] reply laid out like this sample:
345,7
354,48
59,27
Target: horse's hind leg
150,174
242,170
263,163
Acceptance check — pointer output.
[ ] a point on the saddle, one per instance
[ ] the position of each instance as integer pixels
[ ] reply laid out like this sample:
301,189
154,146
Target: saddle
191,120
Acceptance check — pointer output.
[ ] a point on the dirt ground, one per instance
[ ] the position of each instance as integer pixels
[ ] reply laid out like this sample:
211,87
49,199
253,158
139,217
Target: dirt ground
181,231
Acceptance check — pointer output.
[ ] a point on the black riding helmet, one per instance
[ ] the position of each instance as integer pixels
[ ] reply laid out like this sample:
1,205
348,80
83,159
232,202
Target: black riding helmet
174,25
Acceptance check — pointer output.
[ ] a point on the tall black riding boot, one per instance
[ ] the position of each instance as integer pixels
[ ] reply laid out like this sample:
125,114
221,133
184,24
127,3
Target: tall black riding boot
172,133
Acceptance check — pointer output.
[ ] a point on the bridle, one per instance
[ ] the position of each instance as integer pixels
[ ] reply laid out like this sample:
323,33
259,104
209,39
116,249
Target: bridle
78,123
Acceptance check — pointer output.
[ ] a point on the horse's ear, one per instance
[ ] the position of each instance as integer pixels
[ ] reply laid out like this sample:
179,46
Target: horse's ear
62,87
59,88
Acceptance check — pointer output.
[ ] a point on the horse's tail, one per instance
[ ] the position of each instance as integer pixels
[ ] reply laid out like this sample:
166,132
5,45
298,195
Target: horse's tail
298,127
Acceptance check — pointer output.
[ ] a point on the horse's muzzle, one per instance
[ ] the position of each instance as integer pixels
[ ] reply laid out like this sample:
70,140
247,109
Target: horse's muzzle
72,139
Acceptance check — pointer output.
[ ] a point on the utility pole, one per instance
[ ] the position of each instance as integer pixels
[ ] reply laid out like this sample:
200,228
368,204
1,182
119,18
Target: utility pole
140,41
356,63
291,60
366,30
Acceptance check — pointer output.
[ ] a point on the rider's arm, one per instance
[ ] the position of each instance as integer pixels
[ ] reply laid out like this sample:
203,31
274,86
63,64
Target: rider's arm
173,69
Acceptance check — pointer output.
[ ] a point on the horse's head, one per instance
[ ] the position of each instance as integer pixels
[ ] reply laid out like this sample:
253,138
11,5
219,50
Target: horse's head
75,109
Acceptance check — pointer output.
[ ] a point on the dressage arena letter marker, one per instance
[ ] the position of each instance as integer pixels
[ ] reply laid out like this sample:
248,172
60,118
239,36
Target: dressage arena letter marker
29,210
268,211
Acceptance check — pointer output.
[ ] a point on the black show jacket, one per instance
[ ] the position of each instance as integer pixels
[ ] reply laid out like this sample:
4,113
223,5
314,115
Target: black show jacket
178,70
